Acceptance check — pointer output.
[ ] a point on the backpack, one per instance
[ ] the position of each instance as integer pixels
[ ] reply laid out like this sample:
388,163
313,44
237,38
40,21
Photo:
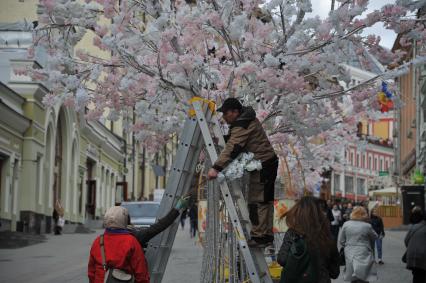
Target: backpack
301,264
113,275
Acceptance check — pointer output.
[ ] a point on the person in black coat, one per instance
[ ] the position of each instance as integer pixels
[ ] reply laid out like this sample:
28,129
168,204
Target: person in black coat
193,217
415,257
144,235
306,220
377,224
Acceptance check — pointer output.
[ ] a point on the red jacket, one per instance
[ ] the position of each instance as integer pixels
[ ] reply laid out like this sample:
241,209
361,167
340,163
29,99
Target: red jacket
122,251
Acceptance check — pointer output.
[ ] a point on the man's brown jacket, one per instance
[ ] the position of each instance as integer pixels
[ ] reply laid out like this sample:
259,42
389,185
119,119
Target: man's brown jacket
246,134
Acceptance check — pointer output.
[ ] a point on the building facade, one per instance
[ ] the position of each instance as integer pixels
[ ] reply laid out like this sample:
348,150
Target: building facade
411,130
49,154
359,168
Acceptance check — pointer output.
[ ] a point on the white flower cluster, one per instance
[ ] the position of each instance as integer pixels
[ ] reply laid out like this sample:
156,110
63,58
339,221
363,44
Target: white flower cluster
235,170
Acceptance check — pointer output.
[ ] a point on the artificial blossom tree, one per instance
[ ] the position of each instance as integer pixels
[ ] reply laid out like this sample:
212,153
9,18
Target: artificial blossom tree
270,54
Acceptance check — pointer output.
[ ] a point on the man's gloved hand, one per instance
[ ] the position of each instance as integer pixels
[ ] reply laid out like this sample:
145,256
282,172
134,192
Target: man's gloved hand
182,203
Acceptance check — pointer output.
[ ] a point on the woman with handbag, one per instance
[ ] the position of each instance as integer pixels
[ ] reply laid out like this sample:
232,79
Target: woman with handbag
308,253
358,238
116,255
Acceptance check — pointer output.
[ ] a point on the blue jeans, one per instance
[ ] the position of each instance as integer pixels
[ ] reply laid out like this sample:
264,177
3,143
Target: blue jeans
379,247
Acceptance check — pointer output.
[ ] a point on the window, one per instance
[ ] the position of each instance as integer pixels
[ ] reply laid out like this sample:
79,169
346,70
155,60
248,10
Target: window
369,163
336,183
381,164
375,164
357,160
349,184
387,165
360,186
351,161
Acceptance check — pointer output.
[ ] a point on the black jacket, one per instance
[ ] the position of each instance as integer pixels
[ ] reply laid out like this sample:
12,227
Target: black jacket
329,266
144,235
415,241
377,224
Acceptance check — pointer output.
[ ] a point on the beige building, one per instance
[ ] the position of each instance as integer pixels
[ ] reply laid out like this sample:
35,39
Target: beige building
411,129
53,153
49,153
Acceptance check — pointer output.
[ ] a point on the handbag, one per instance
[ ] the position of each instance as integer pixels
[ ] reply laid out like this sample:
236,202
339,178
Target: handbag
113,275
301,265
342,259
61,222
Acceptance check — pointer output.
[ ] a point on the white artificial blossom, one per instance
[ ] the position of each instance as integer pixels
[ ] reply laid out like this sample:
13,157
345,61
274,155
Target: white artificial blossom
244,162
270,54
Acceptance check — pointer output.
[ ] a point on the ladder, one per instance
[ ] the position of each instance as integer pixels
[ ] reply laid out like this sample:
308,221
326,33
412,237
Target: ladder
196,133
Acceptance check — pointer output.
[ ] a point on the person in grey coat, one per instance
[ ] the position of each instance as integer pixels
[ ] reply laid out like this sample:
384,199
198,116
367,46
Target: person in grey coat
415,241
358,237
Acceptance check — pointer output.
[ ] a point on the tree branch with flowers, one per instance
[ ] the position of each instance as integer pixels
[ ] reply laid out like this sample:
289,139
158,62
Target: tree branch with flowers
270,54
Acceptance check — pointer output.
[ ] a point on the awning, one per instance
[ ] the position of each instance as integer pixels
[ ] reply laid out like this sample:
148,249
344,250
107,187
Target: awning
389,190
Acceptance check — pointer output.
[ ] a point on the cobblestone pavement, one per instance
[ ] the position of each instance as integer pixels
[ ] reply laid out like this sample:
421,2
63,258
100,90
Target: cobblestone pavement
64,259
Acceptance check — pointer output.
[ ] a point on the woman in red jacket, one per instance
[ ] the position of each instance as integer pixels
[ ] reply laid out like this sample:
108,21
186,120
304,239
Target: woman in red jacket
122,250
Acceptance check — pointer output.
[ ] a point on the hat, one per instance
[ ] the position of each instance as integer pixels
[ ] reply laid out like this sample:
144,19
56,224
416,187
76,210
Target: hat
230,104
116,217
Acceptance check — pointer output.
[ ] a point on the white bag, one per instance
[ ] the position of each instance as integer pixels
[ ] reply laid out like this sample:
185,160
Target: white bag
61,222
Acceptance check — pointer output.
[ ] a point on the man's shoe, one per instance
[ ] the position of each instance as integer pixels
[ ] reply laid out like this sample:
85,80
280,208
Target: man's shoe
256,242
381,262
253,244
268,239
261,242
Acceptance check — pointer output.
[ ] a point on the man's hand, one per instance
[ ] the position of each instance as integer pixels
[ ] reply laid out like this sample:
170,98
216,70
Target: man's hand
212,174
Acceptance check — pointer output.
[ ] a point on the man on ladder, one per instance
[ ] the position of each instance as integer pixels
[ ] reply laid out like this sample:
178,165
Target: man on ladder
246,134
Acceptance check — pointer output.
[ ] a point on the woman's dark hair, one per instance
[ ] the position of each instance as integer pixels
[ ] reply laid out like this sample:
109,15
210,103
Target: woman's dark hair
307,218
416,215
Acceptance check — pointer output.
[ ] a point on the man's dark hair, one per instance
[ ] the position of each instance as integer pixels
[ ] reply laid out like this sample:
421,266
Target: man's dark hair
230,104
416,215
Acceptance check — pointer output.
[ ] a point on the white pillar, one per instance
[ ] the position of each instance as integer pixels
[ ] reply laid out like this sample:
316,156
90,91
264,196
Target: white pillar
113,189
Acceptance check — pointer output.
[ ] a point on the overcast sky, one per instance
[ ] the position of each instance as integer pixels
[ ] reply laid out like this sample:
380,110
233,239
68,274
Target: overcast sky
322,7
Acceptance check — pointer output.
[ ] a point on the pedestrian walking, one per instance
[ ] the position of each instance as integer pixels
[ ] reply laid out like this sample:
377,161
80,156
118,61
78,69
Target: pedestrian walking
308,253
183,219
357,238
415,241
193,218
336,223
348,211
248,135
116,253
377,224
326,209
58,217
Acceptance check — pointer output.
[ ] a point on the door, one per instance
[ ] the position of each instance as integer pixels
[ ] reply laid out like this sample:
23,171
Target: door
91,199
412,196
120,192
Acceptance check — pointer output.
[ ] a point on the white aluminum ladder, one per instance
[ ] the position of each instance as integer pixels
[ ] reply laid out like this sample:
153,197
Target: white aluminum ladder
195,132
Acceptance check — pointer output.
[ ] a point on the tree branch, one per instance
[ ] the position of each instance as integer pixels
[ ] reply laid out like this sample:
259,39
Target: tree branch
343,92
